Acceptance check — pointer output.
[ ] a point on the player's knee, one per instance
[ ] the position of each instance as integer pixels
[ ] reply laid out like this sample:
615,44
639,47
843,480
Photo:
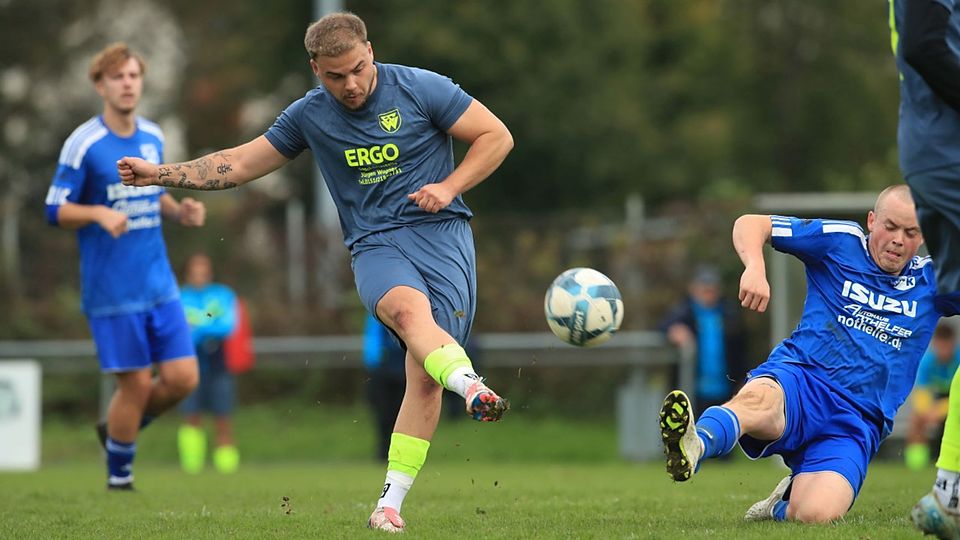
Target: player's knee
134,383
756,401
402,319
183,382
814,512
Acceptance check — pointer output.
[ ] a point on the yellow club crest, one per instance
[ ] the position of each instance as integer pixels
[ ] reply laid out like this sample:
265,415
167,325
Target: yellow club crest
390,121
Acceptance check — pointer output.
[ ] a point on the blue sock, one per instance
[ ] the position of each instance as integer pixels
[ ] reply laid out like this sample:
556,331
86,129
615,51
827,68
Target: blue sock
780,511
719,429
145,420
120,461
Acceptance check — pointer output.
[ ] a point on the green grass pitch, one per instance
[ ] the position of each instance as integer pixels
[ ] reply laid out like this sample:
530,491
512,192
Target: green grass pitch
308,478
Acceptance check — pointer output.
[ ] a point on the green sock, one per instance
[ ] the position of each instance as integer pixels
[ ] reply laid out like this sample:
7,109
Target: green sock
916,456
407,454
192,443
950,445
405,459
441,363
226,458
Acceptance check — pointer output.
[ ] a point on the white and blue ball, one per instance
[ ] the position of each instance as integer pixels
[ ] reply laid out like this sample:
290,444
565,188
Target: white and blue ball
583,307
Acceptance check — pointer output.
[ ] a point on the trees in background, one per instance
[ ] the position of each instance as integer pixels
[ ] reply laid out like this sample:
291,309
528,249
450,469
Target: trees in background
694,104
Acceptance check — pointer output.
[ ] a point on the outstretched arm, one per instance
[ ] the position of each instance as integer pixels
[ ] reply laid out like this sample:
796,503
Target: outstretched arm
750,233
220,170
490,142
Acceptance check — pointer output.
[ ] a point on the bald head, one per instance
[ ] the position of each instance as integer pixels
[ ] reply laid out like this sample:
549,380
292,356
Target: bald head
898,192
894,231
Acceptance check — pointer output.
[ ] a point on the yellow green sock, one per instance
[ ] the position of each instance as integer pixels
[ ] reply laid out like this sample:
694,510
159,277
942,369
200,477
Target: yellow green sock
950,446
192,444
406,457
441,363
916,456
407,454
226,458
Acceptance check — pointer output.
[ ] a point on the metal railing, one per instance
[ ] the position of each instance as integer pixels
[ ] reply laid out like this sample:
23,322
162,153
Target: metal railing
647,356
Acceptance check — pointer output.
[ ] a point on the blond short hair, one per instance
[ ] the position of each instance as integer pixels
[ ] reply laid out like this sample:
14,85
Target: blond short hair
334,34
111,57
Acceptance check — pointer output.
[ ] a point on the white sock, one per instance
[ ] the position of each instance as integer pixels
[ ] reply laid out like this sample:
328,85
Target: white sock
947,489
461,379
395,488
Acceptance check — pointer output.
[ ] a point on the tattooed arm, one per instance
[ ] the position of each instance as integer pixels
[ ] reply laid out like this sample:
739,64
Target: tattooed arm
220,170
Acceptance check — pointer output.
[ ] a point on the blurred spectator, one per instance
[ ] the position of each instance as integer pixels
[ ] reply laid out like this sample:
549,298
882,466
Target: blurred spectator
384,360
929,399
211,310
707,328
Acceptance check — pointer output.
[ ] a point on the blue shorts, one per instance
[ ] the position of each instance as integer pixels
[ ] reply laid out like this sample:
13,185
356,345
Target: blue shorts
437,259
135,341
215,392
823,431
937,198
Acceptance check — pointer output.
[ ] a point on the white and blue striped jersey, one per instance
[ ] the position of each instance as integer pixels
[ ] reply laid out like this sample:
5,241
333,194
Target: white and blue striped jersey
863,331
130,273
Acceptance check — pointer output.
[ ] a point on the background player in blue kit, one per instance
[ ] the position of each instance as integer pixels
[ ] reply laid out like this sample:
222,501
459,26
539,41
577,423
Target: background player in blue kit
826,396
128,290
212,310
381,134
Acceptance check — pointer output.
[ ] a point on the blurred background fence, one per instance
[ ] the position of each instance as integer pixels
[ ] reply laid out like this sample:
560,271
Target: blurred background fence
627,377
643,128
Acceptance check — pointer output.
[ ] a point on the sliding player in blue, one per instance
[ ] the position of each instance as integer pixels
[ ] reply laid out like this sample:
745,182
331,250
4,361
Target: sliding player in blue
826,396
128,291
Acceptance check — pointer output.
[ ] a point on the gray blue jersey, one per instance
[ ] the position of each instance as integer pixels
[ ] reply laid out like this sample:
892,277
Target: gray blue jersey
929,129
373,157
863,331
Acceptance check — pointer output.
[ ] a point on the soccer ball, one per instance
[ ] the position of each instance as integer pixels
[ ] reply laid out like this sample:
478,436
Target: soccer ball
583,307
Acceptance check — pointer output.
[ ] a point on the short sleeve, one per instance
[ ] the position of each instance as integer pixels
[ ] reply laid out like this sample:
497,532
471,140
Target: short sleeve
66,186
286,134
810,239
443,100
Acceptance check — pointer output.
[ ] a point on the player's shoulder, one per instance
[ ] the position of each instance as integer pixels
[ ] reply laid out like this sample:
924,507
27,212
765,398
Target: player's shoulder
922,265
315,97
843,227
835,229
150,127
401,75
80,140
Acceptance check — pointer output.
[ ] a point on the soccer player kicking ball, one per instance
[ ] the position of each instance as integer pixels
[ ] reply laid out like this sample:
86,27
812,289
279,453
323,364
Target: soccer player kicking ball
826,396
128,291
381,134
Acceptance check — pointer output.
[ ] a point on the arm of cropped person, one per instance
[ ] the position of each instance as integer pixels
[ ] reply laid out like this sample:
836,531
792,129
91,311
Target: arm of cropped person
220,170
750,233
924,45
